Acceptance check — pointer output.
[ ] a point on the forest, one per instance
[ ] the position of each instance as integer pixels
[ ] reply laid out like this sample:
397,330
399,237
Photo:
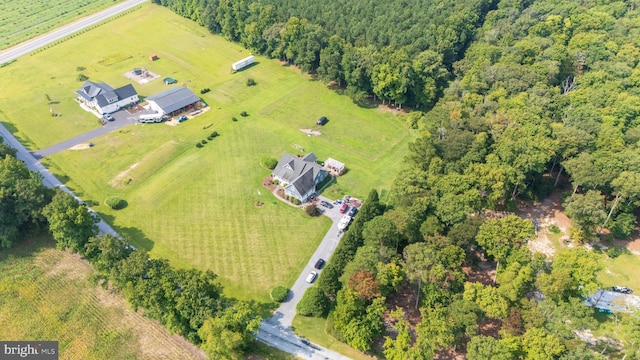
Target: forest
514,100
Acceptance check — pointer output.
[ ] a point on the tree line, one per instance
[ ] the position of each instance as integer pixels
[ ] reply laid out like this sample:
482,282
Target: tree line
398,51
187,302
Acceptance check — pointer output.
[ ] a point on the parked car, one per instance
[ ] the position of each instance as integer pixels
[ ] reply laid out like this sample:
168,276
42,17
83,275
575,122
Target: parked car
323,120
108,117
326,204
182,118
312,277
353,211
622,289
319,264
344,208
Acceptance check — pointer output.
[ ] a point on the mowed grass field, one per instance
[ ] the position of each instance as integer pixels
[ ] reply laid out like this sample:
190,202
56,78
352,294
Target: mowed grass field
196,206
21,20
47,294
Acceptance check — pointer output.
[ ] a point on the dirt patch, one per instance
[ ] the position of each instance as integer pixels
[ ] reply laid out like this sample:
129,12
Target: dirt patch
143,77
311,132
80,147
543,215
117,180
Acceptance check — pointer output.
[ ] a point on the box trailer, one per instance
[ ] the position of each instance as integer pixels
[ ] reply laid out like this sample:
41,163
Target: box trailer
243,63
150,118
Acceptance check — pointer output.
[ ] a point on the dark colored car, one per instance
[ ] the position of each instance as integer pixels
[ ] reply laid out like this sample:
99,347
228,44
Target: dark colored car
108,117
622,289
353,211
326,204
319,264
343,208
323,120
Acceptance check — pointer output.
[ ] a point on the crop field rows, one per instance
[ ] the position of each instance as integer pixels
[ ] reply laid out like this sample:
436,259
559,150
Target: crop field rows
47,294
24,19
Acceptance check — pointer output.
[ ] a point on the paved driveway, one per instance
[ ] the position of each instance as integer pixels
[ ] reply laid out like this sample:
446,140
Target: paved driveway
276,331
122,118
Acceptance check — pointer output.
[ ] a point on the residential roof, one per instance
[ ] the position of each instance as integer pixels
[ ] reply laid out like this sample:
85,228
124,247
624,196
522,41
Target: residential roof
613,301
105,94
174,99
299,172
90,90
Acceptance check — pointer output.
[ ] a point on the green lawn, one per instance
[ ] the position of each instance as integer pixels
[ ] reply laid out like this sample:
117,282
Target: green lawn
196,206
47,294
21,20
314,329
620,271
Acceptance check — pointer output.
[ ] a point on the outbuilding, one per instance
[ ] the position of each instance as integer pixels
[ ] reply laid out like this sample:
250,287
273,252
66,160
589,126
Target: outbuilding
174,101
243,63
335,167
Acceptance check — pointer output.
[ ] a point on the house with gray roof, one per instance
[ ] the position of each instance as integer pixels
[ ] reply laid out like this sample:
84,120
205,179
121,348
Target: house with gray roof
299,175
105,99
173,101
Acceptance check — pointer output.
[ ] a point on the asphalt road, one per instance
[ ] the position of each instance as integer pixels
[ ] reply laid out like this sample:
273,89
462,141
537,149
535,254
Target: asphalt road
59,33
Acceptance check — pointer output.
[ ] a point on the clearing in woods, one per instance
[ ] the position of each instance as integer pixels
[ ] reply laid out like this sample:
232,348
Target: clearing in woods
49,294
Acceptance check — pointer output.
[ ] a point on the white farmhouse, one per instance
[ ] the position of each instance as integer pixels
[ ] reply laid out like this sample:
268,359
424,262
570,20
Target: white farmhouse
106,99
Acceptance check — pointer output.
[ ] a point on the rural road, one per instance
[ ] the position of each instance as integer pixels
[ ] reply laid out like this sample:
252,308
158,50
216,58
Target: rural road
48,179
61,32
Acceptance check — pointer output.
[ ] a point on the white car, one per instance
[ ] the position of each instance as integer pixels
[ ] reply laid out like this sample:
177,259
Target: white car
312,277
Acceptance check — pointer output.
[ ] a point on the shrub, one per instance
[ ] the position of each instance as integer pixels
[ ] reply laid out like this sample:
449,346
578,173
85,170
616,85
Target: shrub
80,68
310,209
115,202
198,145
623,225
210,137
215,134
250,82
234,118
203,142
554,229
615,251
82,77
244,113
295,201
313,303
269,163
279,293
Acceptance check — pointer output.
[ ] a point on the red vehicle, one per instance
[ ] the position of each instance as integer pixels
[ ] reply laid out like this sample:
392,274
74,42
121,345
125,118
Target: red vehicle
343,208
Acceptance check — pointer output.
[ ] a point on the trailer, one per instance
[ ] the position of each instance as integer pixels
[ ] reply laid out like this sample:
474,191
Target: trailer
344,222
150,118
243,63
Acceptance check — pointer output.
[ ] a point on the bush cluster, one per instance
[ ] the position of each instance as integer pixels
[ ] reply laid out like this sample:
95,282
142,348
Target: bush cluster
115,202
205,90
279,293
244,114
269,163
82,77
250,82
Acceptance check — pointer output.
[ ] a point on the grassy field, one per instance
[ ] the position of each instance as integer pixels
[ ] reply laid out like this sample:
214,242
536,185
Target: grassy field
21,20
47,294
196,206
620,271
314,329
